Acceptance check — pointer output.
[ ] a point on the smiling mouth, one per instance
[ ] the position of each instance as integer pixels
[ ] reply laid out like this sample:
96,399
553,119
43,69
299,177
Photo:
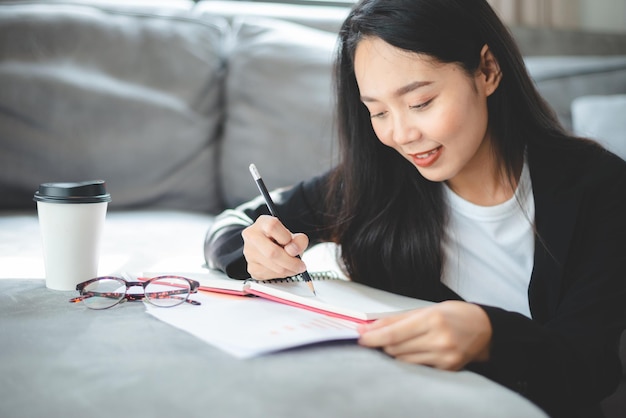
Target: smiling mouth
426,154
426,159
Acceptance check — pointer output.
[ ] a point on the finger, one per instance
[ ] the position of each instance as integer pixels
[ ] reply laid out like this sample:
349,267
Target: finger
430,349
394,330
261,272
267,234
272,228
286,246
451,335
271,263
299,243
380,323
427,342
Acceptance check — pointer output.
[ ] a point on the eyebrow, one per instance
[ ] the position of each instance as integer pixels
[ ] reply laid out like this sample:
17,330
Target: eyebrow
402,90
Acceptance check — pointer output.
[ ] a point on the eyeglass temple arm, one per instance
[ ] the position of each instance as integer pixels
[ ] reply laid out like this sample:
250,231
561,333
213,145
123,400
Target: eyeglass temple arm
130,298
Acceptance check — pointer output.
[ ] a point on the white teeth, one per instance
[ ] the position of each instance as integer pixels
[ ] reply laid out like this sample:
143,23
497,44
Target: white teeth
428,154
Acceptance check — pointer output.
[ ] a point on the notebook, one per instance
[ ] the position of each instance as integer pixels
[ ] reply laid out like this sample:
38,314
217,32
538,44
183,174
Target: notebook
335,295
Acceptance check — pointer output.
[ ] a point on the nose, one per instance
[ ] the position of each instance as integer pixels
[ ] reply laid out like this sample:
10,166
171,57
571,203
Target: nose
404,131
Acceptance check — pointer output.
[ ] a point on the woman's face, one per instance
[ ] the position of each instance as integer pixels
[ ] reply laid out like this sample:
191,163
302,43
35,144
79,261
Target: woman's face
433,114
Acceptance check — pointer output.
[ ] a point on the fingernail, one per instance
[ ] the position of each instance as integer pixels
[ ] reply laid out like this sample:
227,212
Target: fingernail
292,249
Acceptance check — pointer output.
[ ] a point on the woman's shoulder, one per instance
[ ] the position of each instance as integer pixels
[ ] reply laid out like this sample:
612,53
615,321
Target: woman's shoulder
575,164
579,154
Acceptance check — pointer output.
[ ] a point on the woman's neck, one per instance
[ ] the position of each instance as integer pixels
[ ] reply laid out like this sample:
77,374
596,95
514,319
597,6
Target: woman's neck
485,181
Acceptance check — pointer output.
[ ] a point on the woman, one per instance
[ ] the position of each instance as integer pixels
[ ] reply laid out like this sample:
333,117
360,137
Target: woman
457,184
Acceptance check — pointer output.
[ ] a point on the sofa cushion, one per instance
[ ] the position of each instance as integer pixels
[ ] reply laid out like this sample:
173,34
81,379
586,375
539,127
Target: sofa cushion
327,18
561,79
280,106
602,118
118,93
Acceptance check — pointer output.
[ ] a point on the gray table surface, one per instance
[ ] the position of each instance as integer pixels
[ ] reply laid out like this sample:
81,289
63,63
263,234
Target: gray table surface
62,360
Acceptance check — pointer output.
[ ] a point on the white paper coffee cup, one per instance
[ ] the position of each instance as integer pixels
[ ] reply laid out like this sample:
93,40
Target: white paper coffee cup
71,220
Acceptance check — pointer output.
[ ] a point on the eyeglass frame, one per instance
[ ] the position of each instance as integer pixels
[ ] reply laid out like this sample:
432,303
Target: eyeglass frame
133,297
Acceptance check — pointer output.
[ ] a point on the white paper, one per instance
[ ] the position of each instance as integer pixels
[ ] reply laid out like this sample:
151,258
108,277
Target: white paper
248,326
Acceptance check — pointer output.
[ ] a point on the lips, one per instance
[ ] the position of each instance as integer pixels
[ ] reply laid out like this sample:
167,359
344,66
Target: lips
426,159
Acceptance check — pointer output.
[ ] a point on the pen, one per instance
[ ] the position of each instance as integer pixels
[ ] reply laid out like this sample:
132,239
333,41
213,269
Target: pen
272,208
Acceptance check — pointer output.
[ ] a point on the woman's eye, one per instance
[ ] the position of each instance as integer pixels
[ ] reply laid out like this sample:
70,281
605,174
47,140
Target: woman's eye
377,115
421,105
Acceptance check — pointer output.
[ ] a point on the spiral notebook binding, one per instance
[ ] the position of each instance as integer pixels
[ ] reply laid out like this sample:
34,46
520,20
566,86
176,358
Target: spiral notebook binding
316,275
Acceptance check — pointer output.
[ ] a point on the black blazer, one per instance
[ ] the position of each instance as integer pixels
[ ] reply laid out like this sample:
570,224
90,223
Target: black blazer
566,358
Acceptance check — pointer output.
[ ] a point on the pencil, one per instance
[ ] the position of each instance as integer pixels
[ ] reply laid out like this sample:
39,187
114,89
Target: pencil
274,212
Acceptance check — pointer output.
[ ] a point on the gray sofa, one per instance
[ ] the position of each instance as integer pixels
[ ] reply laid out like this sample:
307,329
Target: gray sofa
169,102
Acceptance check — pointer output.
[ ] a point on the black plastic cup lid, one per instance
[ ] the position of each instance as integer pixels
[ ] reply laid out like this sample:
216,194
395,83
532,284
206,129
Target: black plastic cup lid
93,191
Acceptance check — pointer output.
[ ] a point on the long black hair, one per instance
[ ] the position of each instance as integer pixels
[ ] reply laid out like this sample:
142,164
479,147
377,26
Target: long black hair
390,219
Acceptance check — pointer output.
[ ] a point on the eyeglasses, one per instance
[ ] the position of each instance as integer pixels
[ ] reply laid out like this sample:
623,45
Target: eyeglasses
164,291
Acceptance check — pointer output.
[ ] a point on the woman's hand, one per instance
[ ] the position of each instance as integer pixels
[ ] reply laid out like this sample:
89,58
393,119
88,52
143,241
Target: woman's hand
271,249
447,335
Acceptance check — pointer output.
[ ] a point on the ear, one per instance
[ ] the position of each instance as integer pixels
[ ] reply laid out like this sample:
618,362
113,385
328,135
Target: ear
489,71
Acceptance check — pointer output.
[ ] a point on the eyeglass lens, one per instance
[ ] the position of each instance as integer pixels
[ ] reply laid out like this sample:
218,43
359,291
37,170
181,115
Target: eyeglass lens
167,291
161,291
103,293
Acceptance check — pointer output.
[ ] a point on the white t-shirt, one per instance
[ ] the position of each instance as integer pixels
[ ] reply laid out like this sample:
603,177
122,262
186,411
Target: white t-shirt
489,250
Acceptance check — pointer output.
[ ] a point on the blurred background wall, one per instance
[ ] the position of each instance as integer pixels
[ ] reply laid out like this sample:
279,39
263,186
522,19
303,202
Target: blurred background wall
592,15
